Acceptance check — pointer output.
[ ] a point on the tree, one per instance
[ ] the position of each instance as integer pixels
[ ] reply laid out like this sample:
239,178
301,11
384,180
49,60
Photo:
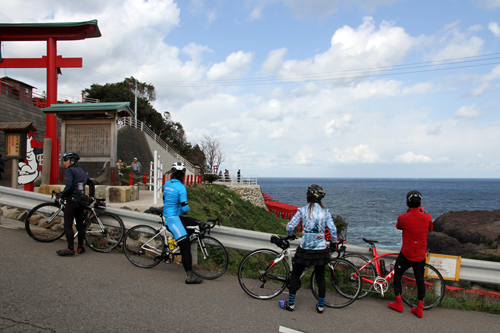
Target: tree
210,146
161,124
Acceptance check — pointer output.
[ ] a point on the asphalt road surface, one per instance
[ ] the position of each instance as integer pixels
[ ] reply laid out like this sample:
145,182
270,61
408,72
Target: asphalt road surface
98,292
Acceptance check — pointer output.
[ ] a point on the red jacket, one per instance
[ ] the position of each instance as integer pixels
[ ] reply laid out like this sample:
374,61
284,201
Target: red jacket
415,225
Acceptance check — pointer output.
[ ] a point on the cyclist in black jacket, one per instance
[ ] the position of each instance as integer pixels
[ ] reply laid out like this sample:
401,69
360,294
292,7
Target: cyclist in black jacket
76,179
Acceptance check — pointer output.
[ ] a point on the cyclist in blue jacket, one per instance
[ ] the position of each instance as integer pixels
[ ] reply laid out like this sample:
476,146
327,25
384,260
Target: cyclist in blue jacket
76,179
312,249
175,206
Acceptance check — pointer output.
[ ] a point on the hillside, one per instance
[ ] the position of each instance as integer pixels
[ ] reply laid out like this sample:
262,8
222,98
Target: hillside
211,201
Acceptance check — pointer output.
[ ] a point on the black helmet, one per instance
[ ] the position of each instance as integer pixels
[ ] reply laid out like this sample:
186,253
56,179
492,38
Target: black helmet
316,191
71,156
414,197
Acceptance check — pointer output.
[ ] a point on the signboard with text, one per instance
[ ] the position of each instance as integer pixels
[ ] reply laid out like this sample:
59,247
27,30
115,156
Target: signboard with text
15,145
89,140
448,266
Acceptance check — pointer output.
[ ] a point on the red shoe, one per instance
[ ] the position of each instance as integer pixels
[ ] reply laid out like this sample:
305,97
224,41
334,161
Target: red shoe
419,310
66,252
80,250
398,305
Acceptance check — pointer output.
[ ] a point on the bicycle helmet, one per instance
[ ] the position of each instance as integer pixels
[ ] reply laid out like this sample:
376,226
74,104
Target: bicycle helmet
316,191
178,170
71,156
413,198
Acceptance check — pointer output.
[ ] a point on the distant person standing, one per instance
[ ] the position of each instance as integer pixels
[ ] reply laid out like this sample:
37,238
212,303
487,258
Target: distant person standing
136,167
415,225
226,174
120,164
239,175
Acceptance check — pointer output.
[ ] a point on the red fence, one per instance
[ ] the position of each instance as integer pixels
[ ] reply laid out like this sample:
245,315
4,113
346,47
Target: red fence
286,212
21,93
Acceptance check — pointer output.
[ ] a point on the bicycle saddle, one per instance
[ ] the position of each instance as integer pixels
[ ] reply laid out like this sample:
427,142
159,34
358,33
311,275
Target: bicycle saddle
156,210
371,242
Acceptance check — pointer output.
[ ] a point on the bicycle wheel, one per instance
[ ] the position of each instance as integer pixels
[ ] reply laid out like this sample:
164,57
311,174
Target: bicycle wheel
343,283
107,237
435,287
143,246
262,278
45,222
214,264
367,273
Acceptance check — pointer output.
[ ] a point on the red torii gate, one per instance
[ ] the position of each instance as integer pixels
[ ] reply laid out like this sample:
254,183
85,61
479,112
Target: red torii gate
50,32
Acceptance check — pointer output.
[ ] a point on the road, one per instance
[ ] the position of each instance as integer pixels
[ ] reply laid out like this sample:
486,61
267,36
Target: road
96,292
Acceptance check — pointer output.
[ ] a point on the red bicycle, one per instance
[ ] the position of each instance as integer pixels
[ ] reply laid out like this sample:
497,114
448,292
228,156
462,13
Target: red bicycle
373,279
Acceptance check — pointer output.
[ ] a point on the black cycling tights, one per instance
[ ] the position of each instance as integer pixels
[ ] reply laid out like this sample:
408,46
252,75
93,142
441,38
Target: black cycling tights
74,211
402,264
320,278
187,260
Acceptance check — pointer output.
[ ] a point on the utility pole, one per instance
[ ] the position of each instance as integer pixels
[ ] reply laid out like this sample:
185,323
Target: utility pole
135,104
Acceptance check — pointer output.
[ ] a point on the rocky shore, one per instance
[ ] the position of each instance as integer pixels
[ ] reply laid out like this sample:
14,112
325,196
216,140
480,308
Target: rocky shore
464,232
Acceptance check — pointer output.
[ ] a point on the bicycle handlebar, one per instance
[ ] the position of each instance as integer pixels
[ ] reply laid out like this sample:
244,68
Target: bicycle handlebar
282,241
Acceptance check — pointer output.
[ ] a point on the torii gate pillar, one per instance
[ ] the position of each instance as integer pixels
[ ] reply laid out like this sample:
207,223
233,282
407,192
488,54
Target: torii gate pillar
50,32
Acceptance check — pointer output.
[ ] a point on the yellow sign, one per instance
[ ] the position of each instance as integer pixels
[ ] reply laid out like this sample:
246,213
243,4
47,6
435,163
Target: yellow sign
13,144
448,266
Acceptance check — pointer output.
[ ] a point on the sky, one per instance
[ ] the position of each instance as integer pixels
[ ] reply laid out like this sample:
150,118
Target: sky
299,88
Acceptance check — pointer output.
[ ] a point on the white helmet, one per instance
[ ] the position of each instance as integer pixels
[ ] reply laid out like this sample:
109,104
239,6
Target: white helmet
178,167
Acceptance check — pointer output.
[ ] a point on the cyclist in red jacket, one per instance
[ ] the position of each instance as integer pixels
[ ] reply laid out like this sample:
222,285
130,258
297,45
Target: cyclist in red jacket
415,225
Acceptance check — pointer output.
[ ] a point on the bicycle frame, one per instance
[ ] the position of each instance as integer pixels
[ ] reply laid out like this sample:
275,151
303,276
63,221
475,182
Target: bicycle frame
386,279
176,251
287,253
90,211
381,282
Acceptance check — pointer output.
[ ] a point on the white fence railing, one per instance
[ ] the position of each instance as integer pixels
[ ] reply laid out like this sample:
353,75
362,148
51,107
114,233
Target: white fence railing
137,124
470,270
237,180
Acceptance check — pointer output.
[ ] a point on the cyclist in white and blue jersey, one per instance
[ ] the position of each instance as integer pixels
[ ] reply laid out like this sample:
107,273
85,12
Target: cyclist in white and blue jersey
313,249
175,206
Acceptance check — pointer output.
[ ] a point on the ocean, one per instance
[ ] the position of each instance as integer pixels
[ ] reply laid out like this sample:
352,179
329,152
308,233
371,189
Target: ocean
371,206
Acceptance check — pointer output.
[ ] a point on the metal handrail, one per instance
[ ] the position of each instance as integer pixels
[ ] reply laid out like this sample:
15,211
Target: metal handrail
247,240
137,124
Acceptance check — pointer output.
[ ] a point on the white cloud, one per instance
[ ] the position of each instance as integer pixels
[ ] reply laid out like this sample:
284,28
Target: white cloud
490,4
467,111
317,9
236,65
304,156
410,157
271,110
274,61
364,47
359,154
494,28
451,43
482,89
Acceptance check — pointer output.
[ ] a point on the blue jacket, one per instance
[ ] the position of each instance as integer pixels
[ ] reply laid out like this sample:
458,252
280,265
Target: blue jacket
174,199
314,223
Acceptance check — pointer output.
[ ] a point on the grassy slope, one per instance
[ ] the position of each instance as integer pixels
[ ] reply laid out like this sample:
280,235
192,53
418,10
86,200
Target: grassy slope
211,201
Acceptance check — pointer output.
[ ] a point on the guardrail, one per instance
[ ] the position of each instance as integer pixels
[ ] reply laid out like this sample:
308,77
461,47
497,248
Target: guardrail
247,240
